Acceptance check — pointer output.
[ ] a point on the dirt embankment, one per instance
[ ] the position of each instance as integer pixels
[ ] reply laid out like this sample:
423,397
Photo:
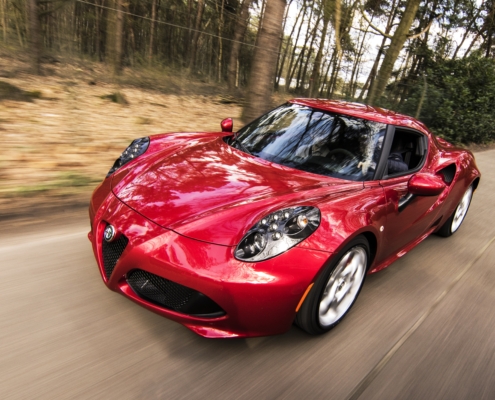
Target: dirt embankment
61,132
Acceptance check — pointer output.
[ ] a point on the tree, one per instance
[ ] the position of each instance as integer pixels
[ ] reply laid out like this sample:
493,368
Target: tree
302,12
489,27
197,26
397,43
328,7
460,99
292,65
381,50
35,38
115,26
152,31
262,77
240,31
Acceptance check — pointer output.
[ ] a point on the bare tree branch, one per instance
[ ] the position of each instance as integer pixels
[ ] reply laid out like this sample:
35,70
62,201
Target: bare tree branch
374,27
416,35
409,36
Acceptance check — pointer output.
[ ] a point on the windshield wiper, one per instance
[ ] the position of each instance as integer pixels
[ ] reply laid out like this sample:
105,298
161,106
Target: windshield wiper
241,146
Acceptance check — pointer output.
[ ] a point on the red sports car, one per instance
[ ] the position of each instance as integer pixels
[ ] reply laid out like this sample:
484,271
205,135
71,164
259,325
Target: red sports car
238,235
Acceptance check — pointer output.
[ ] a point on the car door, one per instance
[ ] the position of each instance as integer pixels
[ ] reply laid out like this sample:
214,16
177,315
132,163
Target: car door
408,217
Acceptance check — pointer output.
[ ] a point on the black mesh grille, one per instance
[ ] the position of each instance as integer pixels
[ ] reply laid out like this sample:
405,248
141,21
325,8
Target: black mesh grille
171,295
159,290
112,252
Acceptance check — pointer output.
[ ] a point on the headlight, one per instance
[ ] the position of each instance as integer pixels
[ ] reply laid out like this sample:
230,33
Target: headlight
278,232
135,149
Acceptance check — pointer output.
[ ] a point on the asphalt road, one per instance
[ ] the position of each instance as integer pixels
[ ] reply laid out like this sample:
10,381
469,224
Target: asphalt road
424,328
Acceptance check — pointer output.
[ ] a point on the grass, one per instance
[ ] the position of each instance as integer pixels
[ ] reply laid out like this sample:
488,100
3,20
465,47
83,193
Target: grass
115,97
56,151
12,92
65,183
143,121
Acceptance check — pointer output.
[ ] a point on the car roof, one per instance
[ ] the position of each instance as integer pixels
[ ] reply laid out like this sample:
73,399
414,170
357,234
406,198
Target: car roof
363,111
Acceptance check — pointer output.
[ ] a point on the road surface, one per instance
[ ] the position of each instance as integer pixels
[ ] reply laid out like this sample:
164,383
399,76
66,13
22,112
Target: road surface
424,328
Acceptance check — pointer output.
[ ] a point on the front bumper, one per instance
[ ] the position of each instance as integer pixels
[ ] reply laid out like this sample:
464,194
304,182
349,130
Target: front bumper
258,298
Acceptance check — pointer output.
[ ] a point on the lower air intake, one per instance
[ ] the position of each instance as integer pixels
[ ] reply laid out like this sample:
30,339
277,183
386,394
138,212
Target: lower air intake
171,295
112,252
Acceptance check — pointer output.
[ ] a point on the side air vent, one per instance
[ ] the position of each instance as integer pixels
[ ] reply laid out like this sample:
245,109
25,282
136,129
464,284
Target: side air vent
448,173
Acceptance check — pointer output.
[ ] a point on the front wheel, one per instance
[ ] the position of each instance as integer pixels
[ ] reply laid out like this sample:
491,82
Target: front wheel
455,220
336,289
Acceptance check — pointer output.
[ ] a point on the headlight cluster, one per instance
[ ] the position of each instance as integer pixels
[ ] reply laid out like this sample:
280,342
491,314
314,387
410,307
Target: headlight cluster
135,149
278,232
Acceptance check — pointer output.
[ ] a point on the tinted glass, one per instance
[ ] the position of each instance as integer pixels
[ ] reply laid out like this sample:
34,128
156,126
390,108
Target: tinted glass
316,141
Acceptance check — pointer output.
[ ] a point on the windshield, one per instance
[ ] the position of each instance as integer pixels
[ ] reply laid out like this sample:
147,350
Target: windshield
316,141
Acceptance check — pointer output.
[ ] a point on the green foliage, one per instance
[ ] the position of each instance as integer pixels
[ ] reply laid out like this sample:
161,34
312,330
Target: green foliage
460,99
115,97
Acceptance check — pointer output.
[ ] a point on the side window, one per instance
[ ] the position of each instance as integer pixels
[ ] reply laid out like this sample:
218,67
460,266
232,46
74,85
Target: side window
407,152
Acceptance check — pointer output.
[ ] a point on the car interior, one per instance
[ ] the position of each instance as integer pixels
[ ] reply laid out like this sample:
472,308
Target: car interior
411,146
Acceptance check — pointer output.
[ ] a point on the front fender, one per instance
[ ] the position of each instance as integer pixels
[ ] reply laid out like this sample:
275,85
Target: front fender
345,218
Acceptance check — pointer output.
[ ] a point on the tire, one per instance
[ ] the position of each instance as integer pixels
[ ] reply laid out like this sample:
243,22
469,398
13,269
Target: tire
454,222
351,262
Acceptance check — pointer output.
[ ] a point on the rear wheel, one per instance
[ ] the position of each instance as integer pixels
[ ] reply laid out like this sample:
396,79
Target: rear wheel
336,290
455,220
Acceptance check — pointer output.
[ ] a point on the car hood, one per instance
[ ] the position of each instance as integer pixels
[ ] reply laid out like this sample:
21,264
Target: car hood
203,188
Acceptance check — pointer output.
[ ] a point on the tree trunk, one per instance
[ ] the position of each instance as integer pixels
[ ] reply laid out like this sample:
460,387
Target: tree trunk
264,61
396,45
408,84
371,76
490,21
471,45
4,20
355,69
197,26
467,31
260,22
152,31
335,74
374,69
97,29
18,30
239,32
291,70
338,7
301,78
325,81
282,64
422,98
402,79
34,36
300,58
115,27
315,75
220,43
281,45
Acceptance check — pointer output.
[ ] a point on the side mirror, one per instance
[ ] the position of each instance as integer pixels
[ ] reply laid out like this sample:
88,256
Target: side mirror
425,184
227,125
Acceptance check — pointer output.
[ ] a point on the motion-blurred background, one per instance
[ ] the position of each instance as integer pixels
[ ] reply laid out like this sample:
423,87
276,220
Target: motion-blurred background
80,79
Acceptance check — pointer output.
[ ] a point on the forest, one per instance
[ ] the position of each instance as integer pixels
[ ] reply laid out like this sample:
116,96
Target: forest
434,60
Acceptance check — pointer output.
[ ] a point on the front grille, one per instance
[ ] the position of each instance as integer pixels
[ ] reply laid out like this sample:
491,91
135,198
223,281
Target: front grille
159,290
112,252
168,294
